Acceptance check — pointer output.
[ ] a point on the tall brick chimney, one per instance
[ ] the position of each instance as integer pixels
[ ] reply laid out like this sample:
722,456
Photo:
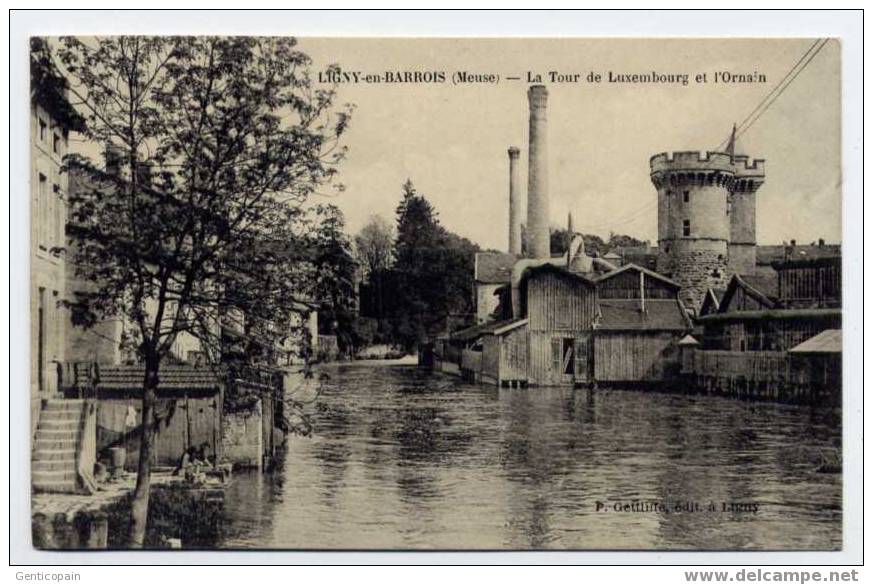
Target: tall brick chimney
538,175
514,203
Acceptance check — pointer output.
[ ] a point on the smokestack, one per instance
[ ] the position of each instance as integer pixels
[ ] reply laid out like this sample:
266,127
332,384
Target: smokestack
514,203
538,175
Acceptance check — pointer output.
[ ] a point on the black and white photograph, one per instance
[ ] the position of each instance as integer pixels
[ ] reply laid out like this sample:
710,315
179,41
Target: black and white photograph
310,293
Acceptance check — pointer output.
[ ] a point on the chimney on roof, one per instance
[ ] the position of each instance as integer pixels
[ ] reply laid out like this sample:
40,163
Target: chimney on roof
514,202
538,180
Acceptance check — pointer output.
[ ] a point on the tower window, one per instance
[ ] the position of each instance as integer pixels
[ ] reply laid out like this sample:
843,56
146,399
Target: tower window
42,129
56,143
686,227
686,196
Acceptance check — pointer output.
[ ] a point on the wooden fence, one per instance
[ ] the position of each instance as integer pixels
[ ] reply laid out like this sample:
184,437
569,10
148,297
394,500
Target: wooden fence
764,375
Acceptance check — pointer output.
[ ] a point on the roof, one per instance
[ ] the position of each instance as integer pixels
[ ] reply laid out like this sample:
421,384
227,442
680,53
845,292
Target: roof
828,341
130,378
766,284
625,314
763,287
476,331
646,271
560,270
771,314
643,255
802,262
510,327
712,298
766,255
493,267
688,340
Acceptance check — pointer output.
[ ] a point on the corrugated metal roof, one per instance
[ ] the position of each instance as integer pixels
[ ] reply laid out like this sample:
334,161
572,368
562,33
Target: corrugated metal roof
130,378
660,315
828,341
494,267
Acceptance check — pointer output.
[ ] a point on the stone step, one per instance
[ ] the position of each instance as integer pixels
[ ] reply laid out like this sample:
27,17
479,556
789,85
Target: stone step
42,454
59,425
58,415
59,476
62,405
55,444
70,434
55,487
53,464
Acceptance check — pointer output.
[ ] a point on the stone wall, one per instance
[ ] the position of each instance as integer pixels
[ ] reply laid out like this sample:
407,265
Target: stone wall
697,266
242,437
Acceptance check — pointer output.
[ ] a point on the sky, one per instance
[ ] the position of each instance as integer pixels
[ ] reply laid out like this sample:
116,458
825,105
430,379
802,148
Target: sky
451,140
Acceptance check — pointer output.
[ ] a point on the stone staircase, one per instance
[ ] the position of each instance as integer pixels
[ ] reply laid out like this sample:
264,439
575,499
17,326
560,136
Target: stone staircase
54,462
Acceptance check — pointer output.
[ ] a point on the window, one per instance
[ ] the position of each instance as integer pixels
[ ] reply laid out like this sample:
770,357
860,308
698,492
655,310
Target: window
43,127
42,210
686,227
686,196
56,143
59,219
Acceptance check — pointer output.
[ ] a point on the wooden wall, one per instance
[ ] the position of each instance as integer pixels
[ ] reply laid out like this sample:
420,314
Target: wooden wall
743,301
559,303
629,356
513,355
627,286
817,285
186,422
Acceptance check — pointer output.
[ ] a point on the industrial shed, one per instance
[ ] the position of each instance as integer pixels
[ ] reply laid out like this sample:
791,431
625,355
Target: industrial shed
640,323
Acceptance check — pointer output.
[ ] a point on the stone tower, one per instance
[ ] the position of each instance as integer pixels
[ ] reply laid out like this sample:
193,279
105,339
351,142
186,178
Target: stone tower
706,214
748,179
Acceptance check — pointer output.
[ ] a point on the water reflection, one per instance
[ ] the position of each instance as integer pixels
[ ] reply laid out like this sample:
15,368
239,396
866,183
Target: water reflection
405,459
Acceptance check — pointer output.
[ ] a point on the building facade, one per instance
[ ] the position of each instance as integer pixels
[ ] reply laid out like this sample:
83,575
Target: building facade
48,187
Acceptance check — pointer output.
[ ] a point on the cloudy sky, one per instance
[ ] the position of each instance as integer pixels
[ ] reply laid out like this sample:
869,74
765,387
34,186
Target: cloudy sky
451,140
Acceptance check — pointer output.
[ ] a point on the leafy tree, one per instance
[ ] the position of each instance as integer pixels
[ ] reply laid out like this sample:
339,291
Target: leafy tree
335,269
374,245
433,272
48,87
624,241
217,143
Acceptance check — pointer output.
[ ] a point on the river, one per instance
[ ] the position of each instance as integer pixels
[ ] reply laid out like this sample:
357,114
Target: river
405,459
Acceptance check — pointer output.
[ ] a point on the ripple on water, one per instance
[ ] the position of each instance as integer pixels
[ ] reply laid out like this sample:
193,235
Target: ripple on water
402,458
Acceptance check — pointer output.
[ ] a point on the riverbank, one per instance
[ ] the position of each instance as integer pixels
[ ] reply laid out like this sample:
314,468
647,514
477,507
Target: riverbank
99,520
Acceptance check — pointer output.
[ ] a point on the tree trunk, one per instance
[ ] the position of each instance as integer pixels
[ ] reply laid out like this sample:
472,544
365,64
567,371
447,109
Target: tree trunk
140,504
